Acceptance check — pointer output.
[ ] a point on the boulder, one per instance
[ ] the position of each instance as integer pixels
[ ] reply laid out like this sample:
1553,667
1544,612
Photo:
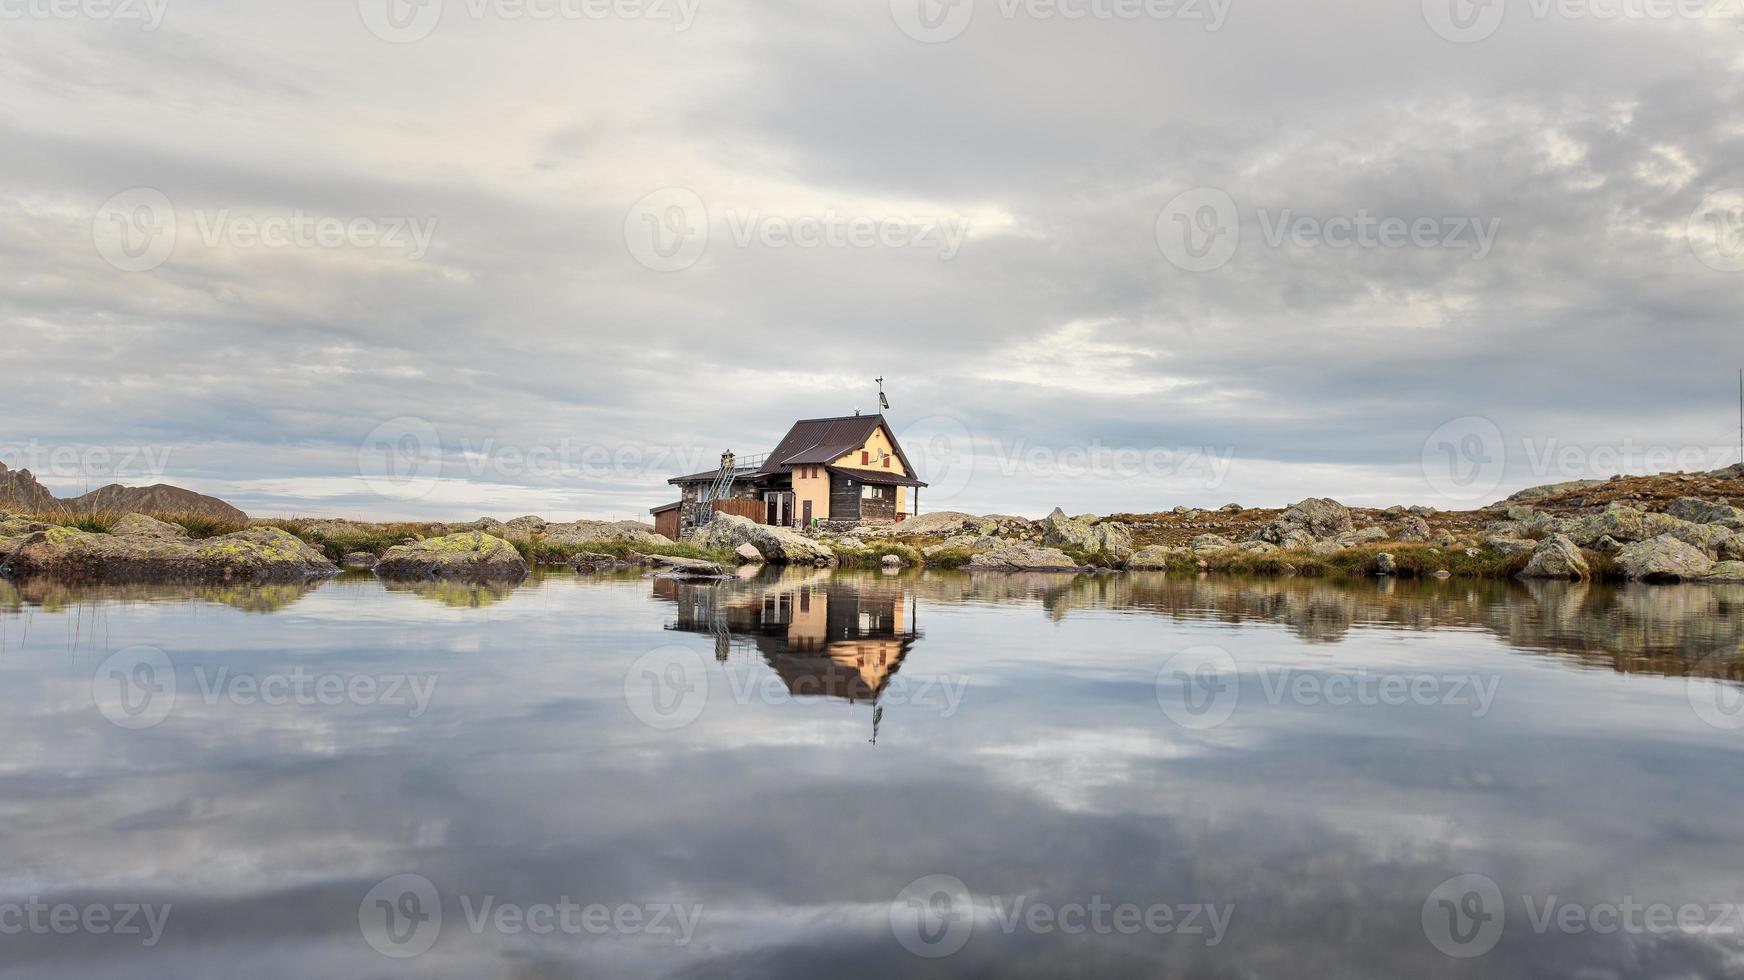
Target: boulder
1620,522
891,561
964,542
850,542
1664,559
748,554
1699,511
141,526
1556,557
942,523
1231,508
1087,533
1325,549
1365,535
1150,558
1510,546
778,545
1711,538
675,566
1259,547
597,532
528,524
260,554
1727,571
1022,558
1316,517
1412,528
1210,542
358,559
1549,489
471,556
588,561
1385,564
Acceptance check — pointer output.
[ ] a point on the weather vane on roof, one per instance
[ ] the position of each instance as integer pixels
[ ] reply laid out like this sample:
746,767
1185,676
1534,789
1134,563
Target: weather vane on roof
883,402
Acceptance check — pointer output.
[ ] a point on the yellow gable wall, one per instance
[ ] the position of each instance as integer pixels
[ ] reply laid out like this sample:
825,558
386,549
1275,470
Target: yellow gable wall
812,482
876,446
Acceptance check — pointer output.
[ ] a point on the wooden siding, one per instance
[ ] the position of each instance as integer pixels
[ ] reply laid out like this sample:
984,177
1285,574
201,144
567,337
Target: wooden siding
666,522
879,508
844,498
752,509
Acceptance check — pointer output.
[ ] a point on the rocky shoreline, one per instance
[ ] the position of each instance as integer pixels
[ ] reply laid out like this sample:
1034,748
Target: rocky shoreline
1665,528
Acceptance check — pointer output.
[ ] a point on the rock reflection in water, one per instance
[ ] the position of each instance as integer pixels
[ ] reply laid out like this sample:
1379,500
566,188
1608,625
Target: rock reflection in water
52,596
843,634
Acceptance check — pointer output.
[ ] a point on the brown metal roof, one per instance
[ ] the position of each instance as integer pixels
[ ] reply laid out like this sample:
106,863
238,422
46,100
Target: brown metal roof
885,478
813,441
663,508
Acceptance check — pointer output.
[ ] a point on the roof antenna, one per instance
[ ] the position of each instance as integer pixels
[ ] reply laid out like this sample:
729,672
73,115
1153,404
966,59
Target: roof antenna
883,402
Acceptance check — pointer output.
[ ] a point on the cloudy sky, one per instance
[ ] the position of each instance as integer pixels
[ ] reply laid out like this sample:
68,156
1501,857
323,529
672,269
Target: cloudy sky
463,257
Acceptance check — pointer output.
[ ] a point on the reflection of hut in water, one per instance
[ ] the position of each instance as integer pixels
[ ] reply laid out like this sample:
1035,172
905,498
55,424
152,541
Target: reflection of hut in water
824,638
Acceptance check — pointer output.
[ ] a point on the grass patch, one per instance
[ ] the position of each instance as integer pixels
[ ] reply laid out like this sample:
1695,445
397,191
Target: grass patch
949,558
198,526
538,551
873,557
339,542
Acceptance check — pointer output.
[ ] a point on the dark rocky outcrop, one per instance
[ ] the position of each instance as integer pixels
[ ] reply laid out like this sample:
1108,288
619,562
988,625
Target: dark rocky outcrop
20,493
160,498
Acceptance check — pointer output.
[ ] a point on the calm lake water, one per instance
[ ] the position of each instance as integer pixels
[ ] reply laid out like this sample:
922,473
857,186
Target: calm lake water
864,775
